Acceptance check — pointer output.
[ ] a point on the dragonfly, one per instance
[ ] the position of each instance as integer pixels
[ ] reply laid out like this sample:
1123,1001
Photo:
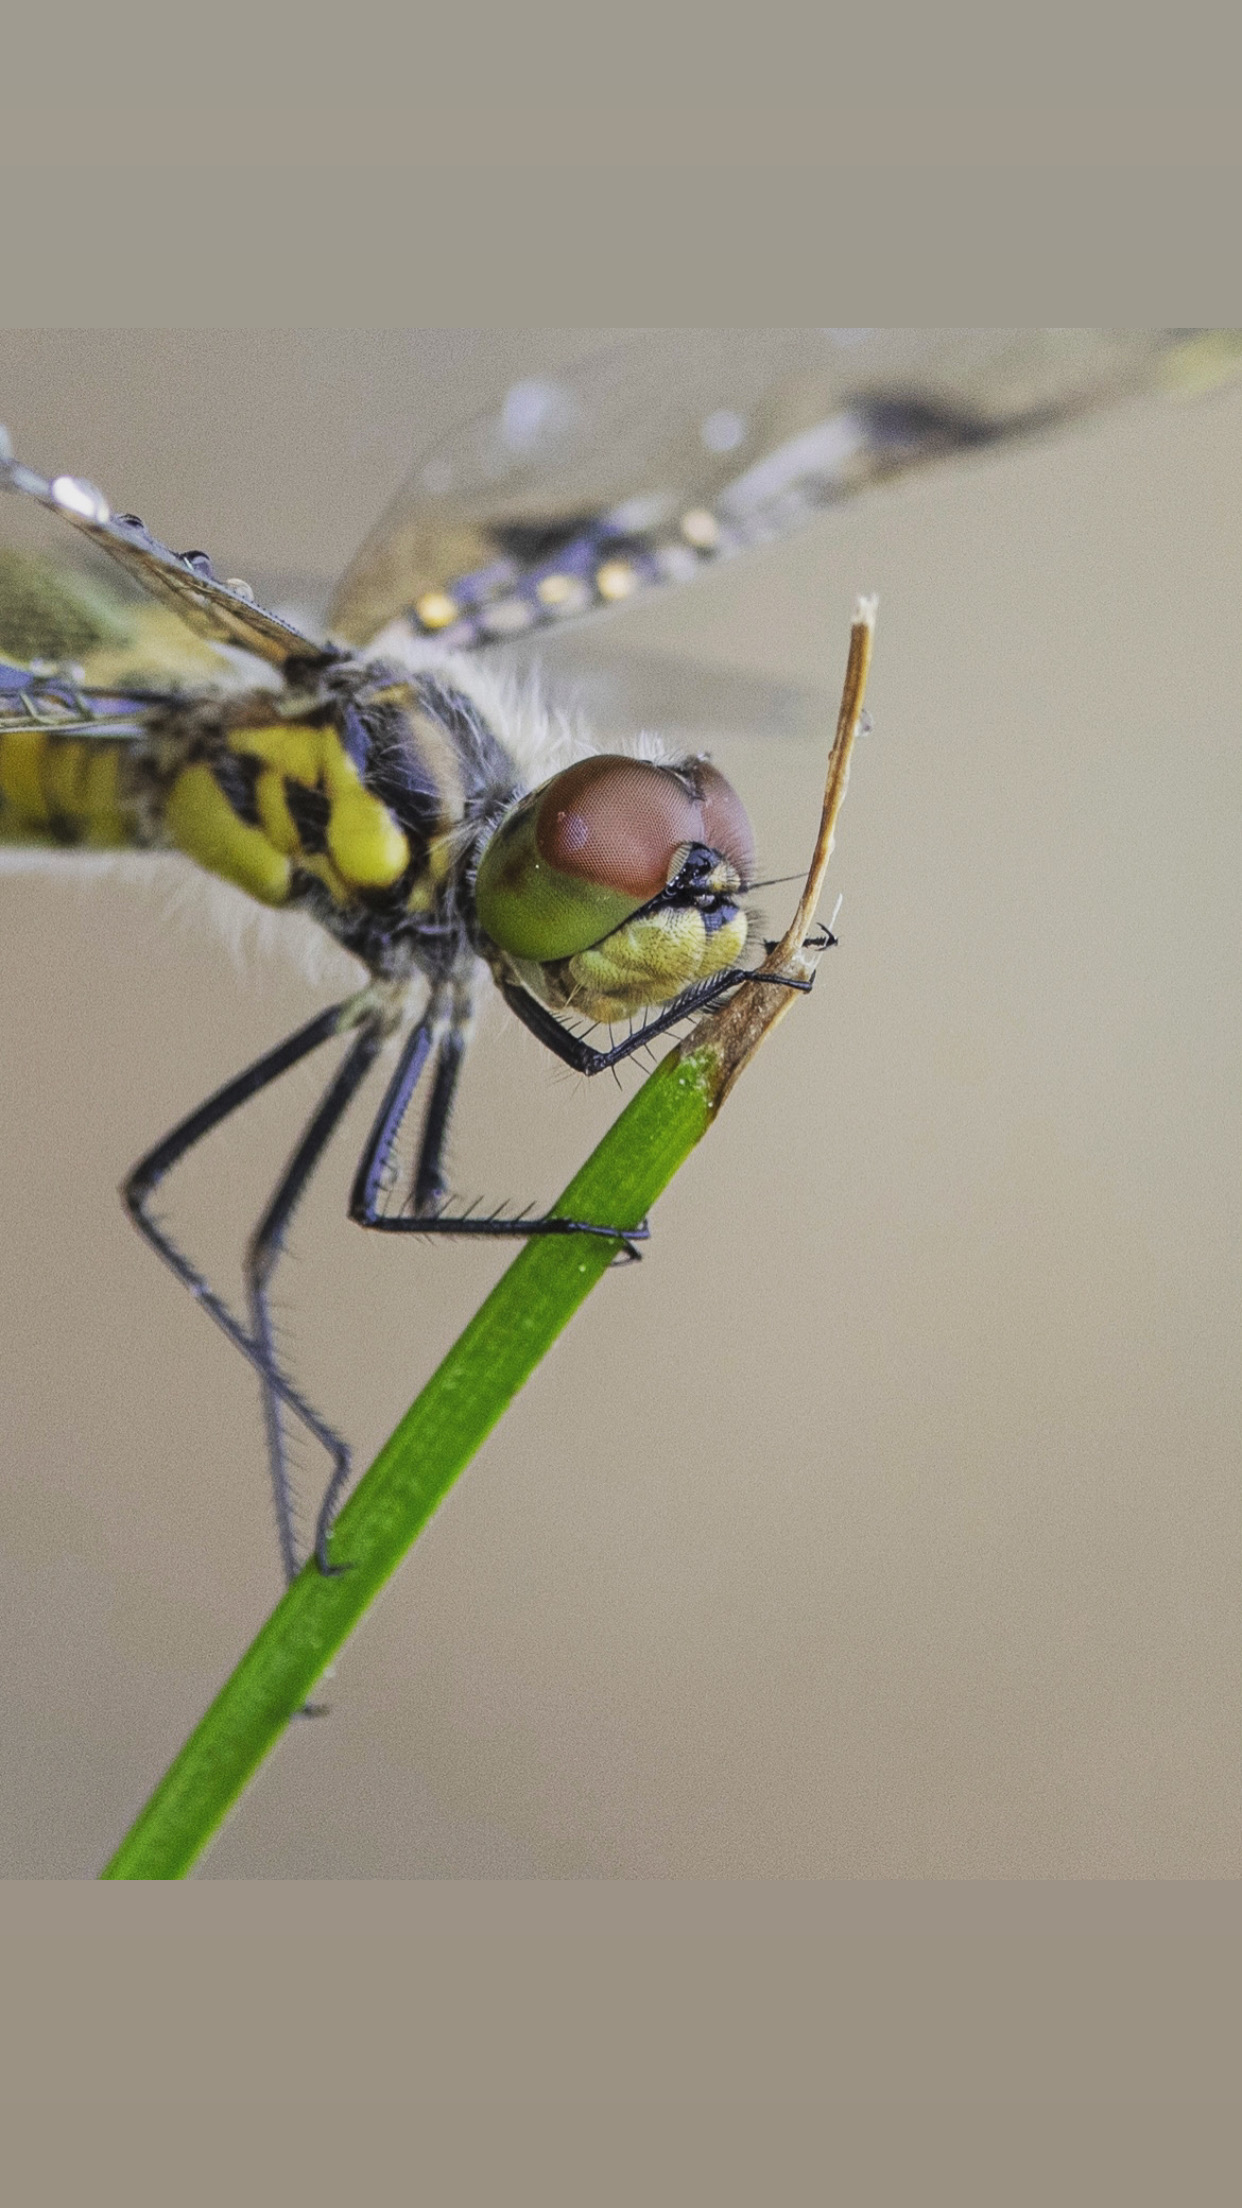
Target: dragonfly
369,769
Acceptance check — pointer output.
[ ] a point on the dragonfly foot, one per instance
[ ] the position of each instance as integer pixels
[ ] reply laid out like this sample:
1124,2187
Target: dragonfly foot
790,981
628,1254
626,1236
324,1565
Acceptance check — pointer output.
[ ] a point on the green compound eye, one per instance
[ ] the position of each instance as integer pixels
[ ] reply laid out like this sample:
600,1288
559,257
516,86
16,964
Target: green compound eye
576,860
534,910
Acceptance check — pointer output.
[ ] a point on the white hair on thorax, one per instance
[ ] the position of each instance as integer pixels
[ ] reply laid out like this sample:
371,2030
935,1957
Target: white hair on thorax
193,901
540,737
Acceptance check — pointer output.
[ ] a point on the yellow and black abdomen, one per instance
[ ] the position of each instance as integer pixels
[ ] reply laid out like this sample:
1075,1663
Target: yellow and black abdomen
83,791
351,814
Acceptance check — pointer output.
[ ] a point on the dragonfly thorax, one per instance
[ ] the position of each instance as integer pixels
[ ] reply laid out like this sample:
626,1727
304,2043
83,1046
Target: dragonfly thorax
360,806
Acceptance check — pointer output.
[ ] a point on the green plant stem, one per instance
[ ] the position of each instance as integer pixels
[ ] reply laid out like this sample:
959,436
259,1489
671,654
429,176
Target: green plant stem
484,1370
413,1472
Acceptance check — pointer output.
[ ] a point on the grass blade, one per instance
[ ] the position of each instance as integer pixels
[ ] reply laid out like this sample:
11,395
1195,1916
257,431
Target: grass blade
479,1377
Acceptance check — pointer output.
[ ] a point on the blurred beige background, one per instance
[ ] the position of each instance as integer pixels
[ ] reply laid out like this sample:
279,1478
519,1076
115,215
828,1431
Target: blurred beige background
883,1523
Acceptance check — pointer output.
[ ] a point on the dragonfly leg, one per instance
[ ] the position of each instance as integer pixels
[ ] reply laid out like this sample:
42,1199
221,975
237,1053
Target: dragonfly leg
822,939
372,1174
262,1257
573,1051
422,1217
430,1187
429,1184
151,1170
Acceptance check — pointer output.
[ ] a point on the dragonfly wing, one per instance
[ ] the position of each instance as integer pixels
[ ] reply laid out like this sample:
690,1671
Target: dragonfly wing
618,693
221,612
645,465
73,617
65,708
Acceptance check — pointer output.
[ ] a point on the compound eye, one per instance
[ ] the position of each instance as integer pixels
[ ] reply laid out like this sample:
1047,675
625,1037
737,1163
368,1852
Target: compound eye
726,827
616,822
621,822
577,859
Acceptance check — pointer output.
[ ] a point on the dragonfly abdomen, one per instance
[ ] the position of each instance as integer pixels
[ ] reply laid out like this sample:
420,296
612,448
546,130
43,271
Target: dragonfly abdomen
85,791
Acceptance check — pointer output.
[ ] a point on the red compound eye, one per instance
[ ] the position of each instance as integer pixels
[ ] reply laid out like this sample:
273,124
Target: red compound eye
618,823
725,826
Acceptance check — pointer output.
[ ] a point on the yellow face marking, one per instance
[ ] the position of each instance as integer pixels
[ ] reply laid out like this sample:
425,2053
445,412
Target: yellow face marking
650,961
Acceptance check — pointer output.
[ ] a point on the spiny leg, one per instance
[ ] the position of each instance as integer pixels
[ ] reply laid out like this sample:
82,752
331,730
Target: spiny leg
373,1167
151,1170
428,1183
430,1187
371,1176
573,1051
262,1257
429,1177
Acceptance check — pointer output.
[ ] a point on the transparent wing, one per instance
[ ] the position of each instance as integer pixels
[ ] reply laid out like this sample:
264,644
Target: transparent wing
220,612
32,700
648,463
53,615
616,691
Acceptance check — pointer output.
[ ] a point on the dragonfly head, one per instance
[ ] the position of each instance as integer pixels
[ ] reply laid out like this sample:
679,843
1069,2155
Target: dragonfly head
616,885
